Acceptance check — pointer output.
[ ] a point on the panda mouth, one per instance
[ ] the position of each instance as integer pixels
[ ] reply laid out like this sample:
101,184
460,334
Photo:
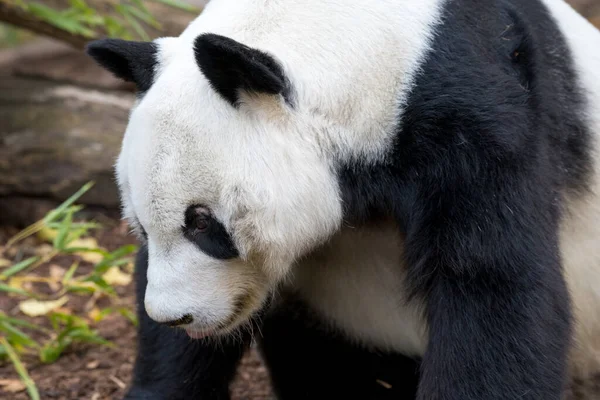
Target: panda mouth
201,334
230,324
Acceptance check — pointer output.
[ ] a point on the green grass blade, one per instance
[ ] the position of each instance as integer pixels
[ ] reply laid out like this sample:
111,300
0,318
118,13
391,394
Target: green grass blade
21,370
86,335
18,267
21,322
30,230
86,250
132,21
114,258
101,284
130,315
69,274
51,352
182,6
59,19
143,16
61,238
76,225
123,251
52,215
141,6
17,335
79,5
8,289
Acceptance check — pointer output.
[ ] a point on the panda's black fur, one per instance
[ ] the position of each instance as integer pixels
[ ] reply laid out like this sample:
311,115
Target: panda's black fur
491,138
491,141
131,61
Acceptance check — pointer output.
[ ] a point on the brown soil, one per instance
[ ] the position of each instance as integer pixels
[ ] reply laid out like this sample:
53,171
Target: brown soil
98,372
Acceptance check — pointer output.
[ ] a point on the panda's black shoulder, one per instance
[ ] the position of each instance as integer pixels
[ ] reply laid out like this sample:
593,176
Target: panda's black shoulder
497,85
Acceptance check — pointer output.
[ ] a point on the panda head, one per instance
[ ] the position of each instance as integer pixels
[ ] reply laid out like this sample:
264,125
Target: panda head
229,161
220,175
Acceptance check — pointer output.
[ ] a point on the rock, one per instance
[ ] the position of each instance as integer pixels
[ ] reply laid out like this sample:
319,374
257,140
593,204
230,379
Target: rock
54,137
50,59
589,9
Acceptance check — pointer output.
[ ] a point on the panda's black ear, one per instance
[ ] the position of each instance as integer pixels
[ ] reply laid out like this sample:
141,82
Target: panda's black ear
231,66
127,60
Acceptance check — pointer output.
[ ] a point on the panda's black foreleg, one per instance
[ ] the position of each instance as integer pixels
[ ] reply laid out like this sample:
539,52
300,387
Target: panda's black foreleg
482,254
309,362
170,365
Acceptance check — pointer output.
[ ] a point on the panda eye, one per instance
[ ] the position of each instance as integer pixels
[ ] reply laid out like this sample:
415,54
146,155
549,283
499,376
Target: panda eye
208,233
198,219
202,219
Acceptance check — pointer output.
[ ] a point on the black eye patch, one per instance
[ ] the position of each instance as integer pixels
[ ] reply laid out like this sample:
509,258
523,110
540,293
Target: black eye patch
208,233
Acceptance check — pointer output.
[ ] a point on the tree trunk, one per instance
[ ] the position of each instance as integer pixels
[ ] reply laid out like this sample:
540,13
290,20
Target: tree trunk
173,21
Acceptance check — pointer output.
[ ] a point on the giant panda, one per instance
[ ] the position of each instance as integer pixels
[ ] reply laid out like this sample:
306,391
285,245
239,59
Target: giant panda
396,199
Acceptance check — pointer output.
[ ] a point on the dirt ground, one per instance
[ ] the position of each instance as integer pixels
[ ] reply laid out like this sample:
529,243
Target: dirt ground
98,372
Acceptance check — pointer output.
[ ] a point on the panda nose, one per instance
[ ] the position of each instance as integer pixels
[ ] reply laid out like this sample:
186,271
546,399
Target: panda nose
186,319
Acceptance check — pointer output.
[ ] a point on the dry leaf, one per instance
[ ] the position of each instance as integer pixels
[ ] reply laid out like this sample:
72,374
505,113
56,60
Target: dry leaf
12,385
114,276
92,258
92,364
35,308
43,250
88,243
5,263
19,282
47,234
94,314
56,273
84,285
25,282
129,267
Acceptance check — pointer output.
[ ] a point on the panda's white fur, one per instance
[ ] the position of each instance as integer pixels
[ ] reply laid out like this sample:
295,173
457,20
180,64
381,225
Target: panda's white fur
580,236
266,169
355,282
